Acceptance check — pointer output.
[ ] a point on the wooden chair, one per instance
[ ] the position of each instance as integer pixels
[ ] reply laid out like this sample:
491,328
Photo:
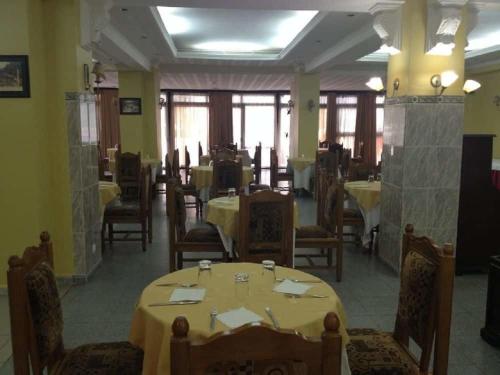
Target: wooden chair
328,161
279,174
261,349
345,162
324,144
36,321
257,168
103,165
266,228
131,212
224,154
351,217
328,231
165,176
200,152
359,171
128,174
196,240
187,164
189,188
226,174
423,315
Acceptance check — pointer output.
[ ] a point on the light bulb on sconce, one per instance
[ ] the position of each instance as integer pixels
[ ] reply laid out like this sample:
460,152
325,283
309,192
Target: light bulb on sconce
395,86
444,80
471,86
375,83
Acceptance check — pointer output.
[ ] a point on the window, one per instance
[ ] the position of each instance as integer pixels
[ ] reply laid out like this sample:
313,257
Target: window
323,100
190,117
254,122
346,120
380,126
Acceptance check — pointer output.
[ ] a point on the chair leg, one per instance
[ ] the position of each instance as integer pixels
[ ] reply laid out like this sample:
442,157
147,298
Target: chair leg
172,260
150,227
180,260
144,234
329,257
110,233
340,255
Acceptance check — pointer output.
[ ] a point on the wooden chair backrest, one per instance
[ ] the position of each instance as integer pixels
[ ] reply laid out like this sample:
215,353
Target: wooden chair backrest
145,193
176,170
266,228
224,154
324,180
273,169
257,162
176,210
200,151
24,344
259,344
428,325
226,174
128,173
345,162
168,167
328,160
187,158
359,171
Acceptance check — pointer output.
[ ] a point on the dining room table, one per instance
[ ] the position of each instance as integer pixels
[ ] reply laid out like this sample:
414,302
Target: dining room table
223,212
216,296
201,177
303,170
365,195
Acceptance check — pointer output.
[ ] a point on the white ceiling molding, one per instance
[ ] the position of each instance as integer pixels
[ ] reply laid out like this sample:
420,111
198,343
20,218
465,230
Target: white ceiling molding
346,44
443,20
94,17
387,24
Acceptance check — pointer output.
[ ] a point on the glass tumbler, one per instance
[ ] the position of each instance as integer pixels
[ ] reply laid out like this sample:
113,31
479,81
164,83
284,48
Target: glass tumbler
204,272
241,285
268,272
371,178
231,192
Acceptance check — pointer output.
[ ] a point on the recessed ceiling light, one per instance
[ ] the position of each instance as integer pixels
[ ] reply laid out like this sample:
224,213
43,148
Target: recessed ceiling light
174,23
229,46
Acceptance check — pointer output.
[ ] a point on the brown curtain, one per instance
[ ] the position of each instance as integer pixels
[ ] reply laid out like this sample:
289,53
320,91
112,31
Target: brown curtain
331,118
366,128
108,118
220,129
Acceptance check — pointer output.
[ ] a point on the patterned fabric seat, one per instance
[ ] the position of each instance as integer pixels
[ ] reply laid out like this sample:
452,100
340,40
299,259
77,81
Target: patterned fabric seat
372,352
122,208
312,231
205,234
102,359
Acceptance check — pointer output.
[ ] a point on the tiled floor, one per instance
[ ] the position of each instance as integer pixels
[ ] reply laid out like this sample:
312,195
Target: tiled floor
101,310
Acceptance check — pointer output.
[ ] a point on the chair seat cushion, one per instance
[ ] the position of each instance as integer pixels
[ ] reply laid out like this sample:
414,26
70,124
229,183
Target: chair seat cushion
204,234
122,208
372,352
311,231
102,359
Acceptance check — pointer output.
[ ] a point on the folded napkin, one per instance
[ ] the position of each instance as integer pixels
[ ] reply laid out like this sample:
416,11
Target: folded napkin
187,294
291,287
238,317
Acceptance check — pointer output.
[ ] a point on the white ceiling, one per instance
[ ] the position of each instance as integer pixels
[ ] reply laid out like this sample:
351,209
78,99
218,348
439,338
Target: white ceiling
341,33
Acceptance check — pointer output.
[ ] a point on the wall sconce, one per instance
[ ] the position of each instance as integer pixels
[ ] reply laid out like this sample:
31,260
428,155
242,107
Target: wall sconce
395,86
310,105
375,83
471,86
98,71
291,104
444,80
163,103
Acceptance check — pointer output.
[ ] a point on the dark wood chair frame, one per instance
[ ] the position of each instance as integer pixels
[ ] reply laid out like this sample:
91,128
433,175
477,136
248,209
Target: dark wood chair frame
259,343
221,168
189,189
279,174
129,184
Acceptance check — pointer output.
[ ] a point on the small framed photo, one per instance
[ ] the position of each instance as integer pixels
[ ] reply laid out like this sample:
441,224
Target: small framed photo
130,106
14,76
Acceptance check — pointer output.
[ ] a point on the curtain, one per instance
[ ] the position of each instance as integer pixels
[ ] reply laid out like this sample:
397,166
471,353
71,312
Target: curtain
190,127
220,118
331,118
366,128
108,118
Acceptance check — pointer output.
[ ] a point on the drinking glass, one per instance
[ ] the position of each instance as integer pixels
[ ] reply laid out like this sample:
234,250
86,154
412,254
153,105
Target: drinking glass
241,285
268,272
204,272
371,178
379,177
231,192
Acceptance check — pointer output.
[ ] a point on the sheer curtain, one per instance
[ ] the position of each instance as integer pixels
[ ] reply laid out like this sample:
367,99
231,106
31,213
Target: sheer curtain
323,110
380,126
346,120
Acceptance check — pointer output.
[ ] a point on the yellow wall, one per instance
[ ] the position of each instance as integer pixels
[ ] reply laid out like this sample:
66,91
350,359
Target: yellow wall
412,66
304,123
140,132
481,114
34,193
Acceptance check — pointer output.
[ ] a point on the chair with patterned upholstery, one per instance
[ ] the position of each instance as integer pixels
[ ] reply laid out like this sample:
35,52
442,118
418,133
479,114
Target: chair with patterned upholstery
423,315
328,231
196,240
128,174
227,174
36,321
189,188
261,350
266,228
279,174
137,211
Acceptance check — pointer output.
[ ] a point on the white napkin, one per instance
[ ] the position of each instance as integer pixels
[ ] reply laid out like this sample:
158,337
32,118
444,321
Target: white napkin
187,294
238,317
290,287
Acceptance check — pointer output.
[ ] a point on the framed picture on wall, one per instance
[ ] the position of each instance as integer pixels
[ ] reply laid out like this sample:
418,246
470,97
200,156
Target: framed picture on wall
14,76
130,106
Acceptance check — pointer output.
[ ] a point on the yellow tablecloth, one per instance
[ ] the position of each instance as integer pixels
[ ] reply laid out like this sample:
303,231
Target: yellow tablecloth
107,192
201,176
111,153
366,194
145,162
224,212
301,163
151,326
